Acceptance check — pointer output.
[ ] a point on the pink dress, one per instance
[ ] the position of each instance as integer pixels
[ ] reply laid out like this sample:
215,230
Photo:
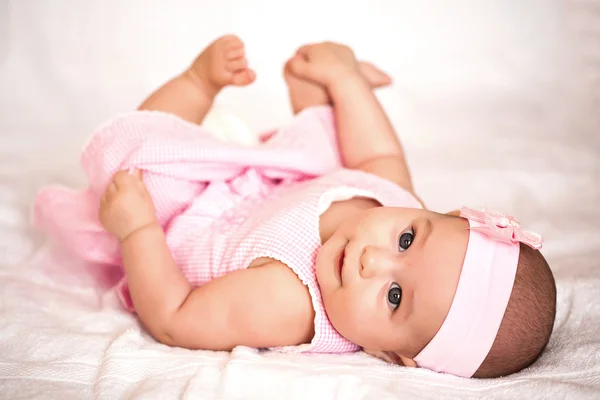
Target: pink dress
221,205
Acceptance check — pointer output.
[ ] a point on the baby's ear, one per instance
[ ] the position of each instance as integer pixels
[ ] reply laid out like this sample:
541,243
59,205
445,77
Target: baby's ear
455,213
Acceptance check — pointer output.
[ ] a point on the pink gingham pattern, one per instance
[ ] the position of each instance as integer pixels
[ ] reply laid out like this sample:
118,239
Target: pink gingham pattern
221,205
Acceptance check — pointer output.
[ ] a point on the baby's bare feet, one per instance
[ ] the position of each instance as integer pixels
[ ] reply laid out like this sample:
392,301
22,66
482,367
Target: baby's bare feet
304,93
221,64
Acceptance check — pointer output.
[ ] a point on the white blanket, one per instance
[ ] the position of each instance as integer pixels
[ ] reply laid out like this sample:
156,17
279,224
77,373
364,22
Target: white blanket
496,102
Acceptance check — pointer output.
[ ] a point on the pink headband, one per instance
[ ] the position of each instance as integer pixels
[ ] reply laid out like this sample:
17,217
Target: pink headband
486,280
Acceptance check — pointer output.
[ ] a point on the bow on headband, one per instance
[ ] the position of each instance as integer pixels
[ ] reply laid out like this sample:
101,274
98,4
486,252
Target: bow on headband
501,227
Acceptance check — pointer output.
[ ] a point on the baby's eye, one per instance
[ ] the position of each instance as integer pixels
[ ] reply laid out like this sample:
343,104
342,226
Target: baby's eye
405,240
394,296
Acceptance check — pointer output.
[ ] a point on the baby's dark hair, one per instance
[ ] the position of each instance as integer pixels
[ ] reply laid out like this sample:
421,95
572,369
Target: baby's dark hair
528,321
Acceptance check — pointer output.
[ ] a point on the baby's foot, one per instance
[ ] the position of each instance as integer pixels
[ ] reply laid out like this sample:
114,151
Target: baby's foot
305,94
222,63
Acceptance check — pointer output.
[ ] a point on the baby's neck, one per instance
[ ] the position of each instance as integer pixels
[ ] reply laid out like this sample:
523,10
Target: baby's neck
341,211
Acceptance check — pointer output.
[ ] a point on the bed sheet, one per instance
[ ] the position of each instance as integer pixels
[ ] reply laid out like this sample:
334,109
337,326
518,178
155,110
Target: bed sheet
497,104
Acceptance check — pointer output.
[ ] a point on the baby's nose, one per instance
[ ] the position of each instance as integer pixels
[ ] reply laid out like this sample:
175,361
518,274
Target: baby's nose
375,261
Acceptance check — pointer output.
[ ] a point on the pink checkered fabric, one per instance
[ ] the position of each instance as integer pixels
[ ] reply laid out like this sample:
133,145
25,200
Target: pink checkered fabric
221,205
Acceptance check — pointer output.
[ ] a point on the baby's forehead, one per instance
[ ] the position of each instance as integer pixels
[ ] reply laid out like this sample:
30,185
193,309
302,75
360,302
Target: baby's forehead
417,212
435,270
452,230
427,214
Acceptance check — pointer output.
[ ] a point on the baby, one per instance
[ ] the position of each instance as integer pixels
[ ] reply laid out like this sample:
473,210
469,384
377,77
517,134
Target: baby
311,241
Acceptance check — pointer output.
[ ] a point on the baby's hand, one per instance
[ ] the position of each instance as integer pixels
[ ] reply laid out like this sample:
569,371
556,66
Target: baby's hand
324,63
126,205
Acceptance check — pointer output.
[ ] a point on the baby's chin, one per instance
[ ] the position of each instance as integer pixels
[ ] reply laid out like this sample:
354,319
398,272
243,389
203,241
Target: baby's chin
336,316
324,266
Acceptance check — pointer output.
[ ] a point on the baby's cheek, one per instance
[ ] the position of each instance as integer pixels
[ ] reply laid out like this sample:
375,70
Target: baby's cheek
354,318
341,312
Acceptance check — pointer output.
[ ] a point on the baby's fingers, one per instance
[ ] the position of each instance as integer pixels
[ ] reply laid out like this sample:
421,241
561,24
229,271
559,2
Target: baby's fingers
304,51
303,69
125,178
137,173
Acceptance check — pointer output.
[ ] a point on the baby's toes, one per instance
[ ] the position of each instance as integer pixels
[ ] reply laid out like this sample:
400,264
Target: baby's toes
233,47
235,65
235,55
231,40
234,52
243,77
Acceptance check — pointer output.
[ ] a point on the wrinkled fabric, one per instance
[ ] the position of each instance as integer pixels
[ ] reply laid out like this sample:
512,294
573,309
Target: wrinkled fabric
221,205
186,170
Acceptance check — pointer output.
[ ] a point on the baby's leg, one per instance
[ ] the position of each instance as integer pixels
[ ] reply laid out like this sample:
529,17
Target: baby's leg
305,94
190,95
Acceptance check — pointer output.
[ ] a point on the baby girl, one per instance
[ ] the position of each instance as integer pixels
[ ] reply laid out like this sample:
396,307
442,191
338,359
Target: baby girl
311,241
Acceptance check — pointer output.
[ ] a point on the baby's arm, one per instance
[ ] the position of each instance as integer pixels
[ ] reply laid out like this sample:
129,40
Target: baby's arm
258,307
366,136
367,139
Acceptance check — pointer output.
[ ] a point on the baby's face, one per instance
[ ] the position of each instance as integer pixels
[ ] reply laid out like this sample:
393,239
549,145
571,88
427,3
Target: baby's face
394,287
